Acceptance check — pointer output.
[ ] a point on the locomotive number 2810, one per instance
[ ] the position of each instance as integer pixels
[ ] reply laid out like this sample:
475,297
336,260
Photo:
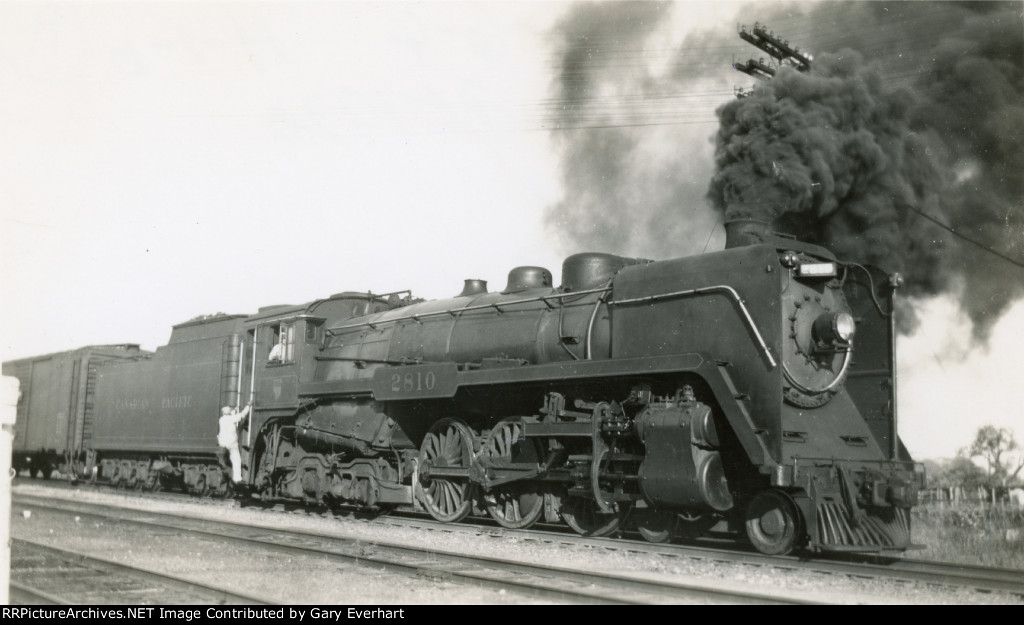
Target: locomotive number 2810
418,381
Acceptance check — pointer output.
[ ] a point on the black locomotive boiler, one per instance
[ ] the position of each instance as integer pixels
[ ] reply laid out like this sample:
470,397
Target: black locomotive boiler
750,390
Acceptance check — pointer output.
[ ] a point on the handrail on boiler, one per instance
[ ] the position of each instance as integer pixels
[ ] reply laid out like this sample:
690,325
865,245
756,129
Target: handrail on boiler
544,298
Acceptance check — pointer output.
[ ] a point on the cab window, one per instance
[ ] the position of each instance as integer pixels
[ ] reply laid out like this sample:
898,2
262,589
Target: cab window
282,346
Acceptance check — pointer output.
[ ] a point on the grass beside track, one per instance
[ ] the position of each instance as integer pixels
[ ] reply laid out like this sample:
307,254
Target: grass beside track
983,534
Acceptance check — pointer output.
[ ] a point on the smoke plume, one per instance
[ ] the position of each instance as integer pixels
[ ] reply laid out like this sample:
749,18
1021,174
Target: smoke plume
628,187
911,114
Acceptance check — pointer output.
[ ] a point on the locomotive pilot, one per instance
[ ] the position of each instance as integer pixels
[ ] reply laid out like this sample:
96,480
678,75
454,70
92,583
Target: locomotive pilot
227,438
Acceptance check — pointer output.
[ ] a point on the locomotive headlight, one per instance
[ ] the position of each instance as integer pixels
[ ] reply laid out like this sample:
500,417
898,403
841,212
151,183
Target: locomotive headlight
835,327
844,326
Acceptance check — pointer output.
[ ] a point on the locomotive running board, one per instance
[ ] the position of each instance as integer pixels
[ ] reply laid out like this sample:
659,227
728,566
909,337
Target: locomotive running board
443,381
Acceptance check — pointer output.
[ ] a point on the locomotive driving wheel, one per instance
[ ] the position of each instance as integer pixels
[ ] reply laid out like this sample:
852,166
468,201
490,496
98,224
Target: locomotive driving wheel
658,526
448,444
774,524
586,519
516,505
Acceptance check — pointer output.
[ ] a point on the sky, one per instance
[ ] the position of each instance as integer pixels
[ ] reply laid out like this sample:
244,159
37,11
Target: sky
163,160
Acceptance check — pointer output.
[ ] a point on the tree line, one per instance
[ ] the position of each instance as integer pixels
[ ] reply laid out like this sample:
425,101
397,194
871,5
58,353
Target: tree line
1001,459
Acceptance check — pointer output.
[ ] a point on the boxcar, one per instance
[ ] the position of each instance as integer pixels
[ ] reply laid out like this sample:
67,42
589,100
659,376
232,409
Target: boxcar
55,406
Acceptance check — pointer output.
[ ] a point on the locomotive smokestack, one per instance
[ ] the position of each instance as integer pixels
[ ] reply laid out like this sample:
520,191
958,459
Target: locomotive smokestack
740,232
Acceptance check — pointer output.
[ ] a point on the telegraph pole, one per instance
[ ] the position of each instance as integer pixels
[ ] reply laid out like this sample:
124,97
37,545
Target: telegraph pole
780,54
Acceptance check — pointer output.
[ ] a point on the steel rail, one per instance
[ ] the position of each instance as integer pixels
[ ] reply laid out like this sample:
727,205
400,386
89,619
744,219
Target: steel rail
978,577
162,579
925,571
26,595
531,579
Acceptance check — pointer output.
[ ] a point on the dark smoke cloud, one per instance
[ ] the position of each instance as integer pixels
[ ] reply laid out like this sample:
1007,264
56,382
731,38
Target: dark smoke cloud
843,157
974,99
629,189
830,156
908,108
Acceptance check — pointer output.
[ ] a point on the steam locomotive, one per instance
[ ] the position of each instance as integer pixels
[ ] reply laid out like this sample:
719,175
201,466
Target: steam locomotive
750,390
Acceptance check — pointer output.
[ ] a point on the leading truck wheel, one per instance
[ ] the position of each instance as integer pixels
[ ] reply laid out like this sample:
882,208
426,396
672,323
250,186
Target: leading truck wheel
774,523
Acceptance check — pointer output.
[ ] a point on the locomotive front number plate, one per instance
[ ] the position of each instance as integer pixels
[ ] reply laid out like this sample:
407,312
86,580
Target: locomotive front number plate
415,381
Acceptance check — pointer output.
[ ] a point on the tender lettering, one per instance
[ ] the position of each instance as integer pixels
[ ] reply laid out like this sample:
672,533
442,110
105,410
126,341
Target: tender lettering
172,402
176,402
131,403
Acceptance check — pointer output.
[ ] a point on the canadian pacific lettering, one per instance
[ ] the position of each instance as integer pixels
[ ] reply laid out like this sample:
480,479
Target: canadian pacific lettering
174,402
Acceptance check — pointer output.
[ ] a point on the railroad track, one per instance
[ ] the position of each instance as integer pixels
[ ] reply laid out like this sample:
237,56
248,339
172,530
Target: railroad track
530,580
42,574
978,578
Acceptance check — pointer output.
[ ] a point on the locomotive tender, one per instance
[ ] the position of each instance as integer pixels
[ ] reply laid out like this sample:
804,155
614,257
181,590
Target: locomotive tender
751,390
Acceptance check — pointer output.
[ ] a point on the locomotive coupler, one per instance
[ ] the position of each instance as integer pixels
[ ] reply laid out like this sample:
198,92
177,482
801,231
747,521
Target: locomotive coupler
893,492
878,489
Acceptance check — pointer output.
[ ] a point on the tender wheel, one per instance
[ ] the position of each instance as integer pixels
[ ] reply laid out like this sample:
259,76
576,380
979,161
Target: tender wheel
134,482
774,524
200,488
658,526
584,517
449,443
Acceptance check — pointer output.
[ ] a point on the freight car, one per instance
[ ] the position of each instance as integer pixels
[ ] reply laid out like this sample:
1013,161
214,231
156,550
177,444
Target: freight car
750,390
55,406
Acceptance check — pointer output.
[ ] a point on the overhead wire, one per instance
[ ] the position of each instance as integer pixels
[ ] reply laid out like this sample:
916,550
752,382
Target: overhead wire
954,232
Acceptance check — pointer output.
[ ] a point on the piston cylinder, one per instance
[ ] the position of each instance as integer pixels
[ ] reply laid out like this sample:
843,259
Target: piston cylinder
679,471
